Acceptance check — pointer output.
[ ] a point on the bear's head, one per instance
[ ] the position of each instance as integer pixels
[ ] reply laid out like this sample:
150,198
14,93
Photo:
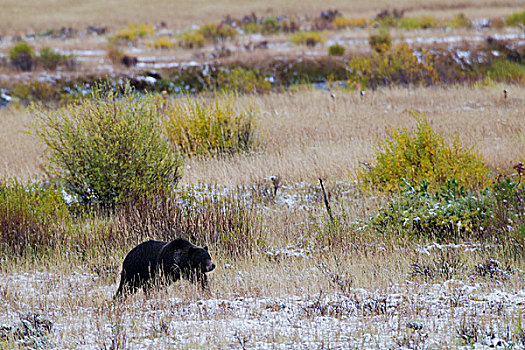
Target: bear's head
201,259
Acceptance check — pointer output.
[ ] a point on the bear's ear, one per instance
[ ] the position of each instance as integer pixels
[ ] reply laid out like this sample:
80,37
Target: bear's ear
206,248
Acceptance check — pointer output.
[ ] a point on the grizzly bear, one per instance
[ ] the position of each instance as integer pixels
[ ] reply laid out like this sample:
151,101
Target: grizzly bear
163,262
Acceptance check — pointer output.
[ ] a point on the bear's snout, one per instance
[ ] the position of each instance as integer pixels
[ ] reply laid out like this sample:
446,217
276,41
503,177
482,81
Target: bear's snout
210,267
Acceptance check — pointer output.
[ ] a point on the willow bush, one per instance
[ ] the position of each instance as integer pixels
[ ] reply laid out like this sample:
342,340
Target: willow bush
198,127
109,148
424,155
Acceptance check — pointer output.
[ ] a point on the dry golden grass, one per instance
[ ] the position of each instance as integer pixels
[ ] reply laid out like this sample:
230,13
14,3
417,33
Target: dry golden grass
23,16
307,134
20,154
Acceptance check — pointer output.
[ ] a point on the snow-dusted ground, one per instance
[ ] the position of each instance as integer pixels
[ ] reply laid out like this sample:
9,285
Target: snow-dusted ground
413,314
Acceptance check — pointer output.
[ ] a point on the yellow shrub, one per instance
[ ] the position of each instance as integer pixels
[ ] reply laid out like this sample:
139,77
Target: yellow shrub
215,32
163,42
424,155
342,22
459,21
242,80
310,38
191,39
196,127
397,66
421,22
135,31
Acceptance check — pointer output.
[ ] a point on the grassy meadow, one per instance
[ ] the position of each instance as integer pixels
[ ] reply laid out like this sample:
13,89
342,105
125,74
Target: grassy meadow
416,241
20,16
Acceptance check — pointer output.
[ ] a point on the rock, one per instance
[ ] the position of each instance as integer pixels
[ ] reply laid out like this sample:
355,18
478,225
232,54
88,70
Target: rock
97,30
129,61
4,98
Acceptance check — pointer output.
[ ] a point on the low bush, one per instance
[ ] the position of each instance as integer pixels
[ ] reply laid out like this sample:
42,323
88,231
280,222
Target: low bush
270,25
108,149
252,27
421,22
31,215
515,19
509,208
507,71
191,39
163,42
459,21
289,25
216,32
450,213
308,38
134,32
424,155
397,66
453,212
336,50
114,51
242,80
342,22
197,127
389,18
22,56
380,40
50,59
31,91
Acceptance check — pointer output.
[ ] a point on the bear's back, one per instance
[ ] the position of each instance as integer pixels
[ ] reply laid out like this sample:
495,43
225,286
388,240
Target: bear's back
143,258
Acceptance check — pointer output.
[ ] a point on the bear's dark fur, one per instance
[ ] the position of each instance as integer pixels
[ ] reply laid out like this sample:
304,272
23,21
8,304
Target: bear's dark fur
163,262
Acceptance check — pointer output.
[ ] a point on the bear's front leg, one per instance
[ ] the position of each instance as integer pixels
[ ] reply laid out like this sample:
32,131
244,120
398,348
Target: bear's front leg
203,280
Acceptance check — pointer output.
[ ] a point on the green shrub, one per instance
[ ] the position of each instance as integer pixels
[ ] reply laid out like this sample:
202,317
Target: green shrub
459,21
22,56
309,38
425,155
109,149
252,27
191,39
509,207
507,71
515,19
270,25
421,22
114,51
336,50
380,40
242,80
31,214
452,212
196,127
397,66
31,91
50,60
